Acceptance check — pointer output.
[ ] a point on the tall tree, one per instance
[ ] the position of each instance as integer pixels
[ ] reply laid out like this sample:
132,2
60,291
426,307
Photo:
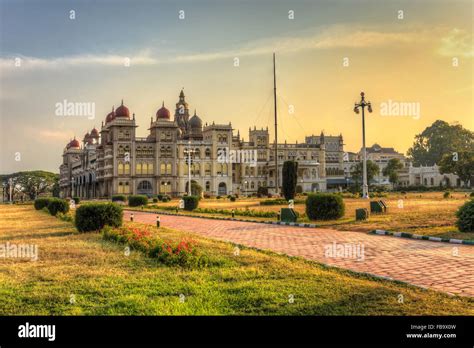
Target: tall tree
372,170
289,179
440,139
391,170
31,183
459,163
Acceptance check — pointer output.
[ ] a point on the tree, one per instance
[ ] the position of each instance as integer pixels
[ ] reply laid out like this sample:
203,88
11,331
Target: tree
459,163
31,183
391,170
289,179
372,170
440,139
196,189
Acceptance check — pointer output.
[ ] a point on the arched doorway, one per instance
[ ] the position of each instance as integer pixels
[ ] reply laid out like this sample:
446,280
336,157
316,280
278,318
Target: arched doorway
145,188
222,189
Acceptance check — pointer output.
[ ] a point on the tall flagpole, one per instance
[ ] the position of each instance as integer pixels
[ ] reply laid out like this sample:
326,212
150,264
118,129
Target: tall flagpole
276,127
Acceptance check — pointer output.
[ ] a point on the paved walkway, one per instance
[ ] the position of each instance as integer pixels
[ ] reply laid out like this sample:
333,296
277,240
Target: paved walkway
423,263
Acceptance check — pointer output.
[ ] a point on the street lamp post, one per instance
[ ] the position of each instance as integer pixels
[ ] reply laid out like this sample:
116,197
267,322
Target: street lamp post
361,105
189,151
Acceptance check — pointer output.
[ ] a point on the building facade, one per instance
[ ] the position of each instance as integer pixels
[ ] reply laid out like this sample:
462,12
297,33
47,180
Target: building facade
116,161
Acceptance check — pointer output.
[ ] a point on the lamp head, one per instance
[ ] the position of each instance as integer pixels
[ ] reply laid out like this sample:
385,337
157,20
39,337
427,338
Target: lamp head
356,109
369,107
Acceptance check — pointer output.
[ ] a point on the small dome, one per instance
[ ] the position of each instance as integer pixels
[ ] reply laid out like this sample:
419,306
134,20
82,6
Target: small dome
74,143
195,121
110,116
122,111
163,113
94,132
87,136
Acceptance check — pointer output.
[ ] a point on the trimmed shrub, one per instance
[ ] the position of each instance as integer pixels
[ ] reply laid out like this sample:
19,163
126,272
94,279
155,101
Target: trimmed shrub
57,205
190,202
121,198
232,198
155,200
471,194
94,216
289,179
77,200
446,194
324,206
41,203
465,215
137,200
362,214
166,198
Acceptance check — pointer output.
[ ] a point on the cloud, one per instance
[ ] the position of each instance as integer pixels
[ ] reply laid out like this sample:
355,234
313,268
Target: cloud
457,43
332,37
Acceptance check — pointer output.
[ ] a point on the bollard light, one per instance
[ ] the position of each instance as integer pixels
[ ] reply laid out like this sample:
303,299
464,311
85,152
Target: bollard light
157,221
131,217
233,213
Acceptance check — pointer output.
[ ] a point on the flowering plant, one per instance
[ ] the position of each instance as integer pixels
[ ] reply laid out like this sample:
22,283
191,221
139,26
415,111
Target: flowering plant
183,252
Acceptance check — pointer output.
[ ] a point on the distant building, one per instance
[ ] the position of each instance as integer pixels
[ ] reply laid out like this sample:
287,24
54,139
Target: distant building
428,176
115,161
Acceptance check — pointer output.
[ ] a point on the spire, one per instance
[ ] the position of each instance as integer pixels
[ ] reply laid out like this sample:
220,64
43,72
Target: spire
181,94
163,104
122,102
195,112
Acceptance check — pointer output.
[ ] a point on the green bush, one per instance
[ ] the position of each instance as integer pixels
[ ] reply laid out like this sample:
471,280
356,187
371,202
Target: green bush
121,198
77,200
41,203
324,206
465,215
137,200
471,194
190,202
155,200
94,216
446,194
232,198
57,205
166,198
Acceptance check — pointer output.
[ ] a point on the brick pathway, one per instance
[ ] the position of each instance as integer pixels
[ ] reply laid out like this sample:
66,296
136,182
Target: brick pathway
423,263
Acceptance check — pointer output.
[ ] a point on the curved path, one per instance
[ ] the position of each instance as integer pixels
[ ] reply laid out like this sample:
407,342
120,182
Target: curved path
441,266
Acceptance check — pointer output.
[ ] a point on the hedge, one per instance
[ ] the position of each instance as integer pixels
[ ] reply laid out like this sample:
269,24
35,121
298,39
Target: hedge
465,215
137,200
94,216
190,202
324,206
77,200
121,198
57,205
41,203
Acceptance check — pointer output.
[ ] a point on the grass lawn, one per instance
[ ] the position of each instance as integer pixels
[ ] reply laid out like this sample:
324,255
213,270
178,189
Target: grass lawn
102,280
422,213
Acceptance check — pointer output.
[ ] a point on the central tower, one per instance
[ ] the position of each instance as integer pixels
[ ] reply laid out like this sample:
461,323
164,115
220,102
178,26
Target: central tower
181,115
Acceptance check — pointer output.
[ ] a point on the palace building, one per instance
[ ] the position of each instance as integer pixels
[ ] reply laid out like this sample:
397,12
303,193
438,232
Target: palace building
116,161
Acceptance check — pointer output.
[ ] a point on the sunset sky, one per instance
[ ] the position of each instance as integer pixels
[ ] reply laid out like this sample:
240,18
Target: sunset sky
82,60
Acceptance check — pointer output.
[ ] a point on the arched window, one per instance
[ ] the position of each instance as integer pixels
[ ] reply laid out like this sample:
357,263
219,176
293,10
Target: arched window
208,153
120,168
252,185
162,169
207,169
150,168
197,153
138,169
145,187
208,186
168,169
432,182
120,188
127,168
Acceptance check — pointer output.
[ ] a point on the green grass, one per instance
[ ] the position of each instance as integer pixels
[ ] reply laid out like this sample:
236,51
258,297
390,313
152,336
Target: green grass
104,281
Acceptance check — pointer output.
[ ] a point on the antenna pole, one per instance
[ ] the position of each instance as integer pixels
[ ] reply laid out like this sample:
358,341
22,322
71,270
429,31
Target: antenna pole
276,127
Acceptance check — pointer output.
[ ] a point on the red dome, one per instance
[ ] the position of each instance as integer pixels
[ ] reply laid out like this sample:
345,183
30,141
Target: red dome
94,132
74,143
87,136
163,113
122,111
110,116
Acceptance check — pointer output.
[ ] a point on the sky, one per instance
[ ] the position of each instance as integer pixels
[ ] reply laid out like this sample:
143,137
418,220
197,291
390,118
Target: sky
413,60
